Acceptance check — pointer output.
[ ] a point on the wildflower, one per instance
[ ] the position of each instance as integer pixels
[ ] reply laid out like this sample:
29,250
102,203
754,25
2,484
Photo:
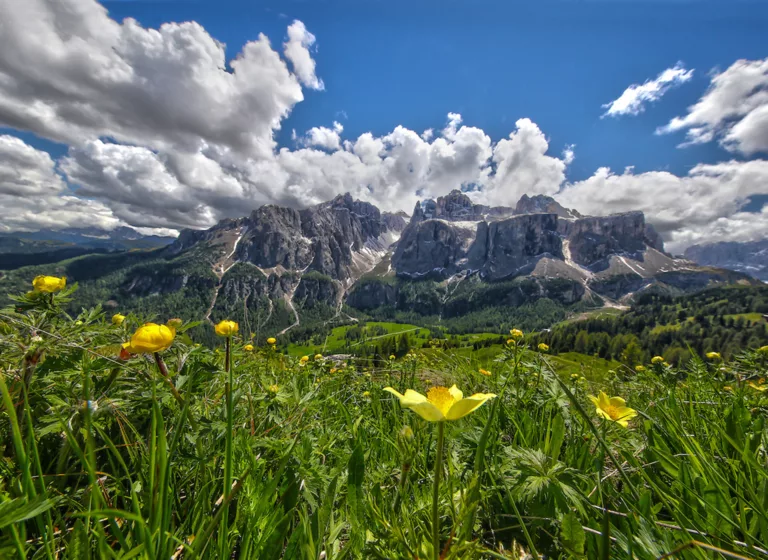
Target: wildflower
333,370
639,369
441,403
226,328
392,356
274,389
517,334
304,359
406,432
727,388
613,408
175,323
427,382
318,356
49,284
484,372
510,341
657,360
714,356
366,394
543,347
756,387
117,319
248,347
78,323
271,341
582,379
574,376
150,338
763,349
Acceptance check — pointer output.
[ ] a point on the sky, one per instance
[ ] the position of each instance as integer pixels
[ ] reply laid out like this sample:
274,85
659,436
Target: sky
171,114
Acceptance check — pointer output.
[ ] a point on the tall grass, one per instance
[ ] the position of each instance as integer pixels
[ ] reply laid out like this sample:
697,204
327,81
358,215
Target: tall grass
269,458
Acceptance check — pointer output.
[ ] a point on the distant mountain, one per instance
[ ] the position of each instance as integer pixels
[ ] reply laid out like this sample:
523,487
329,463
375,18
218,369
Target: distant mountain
45,240
453,261
750,258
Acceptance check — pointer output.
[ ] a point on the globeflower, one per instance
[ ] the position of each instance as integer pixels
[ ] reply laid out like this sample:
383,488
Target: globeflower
639,369
226,328
271,341
248,347
714,356
543,347
49,284
318,356
657,360
484,372
274,389
117,319
440,403
150,338
614,409
516,334
392,356
366,394
763,349
304,359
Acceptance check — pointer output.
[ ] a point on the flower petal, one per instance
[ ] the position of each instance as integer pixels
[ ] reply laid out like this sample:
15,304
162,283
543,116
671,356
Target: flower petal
618,402
603,400
426,410
465,406
456,393
411,397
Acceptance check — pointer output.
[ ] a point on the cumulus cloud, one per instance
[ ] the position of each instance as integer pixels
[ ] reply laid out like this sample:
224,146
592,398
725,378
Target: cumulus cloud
703,206
637,96
733,109
164,132
33,195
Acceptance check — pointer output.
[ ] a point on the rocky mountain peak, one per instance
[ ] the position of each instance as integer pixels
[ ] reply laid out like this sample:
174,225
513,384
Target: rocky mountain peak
543,204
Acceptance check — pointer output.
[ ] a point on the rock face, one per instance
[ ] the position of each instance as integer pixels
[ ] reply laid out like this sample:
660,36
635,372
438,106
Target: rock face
749,258
542,204
343,238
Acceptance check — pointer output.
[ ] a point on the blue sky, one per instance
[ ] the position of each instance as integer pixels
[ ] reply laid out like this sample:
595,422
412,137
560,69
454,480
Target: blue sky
556,62
131,112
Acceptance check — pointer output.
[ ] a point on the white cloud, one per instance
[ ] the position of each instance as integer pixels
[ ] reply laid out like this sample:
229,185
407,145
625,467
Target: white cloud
702,206
569,154
734,108
637,96
297,51
323,137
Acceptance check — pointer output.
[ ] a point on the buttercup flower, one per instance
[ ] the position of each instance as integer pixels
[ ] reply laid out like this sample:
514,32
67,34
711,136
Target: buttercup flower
318,356
226,328
543,347
366,394
304,359
271,340
441,403
613,408
484,372
714,356
516,334
248,347
274,389
150,338
118,319
49,284
657,360
639,369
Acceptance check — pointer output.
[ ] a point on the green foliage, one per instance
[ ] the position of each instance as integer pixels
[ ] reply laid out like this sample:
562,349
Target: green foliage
130,458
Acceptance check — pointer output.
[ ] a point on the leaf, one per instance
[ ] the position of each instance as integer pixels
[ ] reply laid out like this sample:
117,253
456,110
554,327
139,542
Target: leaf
572,535
355,474
18,510
557,436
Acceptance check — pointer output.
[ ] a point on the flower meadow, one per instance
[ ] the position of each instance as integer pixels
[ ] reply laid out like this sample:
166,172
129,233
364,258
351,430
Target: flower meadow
124,438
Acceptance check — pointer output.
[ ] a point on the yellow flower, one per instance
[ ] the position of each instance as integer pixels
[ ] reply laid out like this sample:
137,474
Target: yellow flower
714,356
517,334
406,432
333,370
248,347
484,372
150,338
392,356
613,408
441,403
727,388
304,359
366,394
49,284
318,356
574,376
761,388
274,389
639,369
543,347
271,341
118,319
510,341
763,349
226,328
657,360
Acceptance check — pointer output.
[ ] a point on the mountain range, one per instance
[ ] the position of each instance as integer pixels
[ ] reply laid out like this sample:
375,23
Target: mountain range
451,261
749,257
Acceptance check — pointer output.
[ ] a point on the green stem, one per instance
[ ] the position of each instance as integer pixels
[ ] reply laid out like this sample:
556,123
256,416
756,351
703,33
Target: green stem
436,491
228,451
